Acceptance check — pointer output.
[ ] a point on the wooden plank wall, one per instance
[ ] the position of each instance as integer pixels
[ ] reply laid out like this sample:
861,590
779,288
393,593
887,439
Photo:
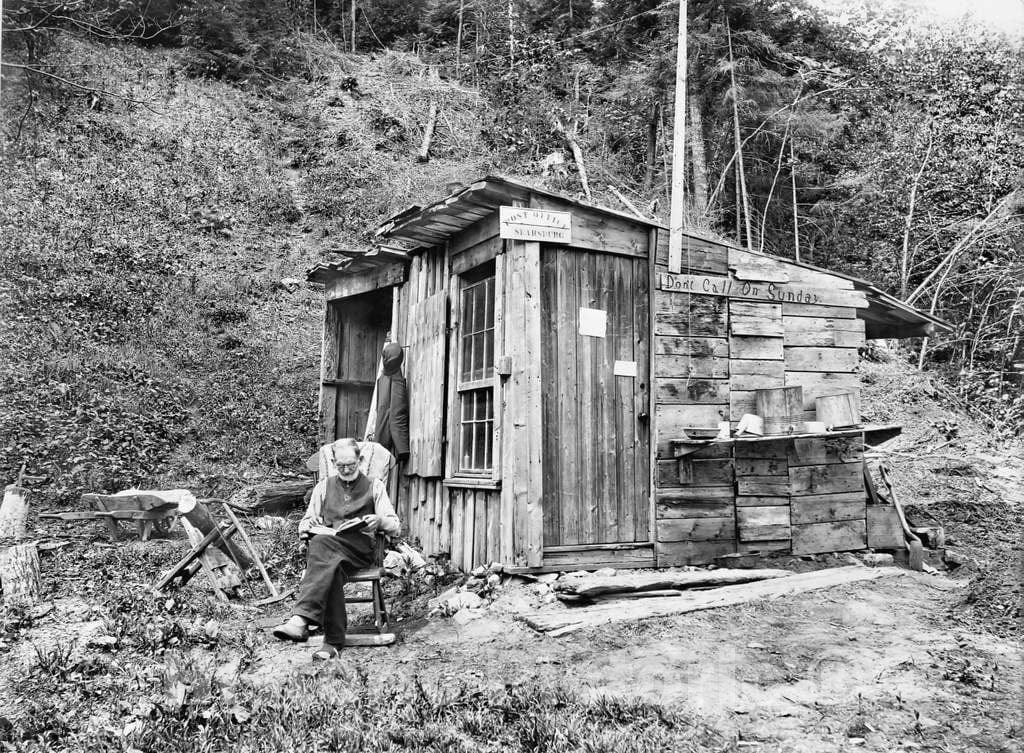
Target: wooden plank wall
422,504
472,526
711,353
425,375
695,507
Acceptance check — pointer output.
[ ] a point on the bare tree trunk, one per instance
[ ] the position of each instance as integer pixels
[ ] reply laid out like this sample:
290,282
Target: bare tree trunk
458,42
677,210
698,160
796,225
652,146
741,170
577,154
352,20
905,257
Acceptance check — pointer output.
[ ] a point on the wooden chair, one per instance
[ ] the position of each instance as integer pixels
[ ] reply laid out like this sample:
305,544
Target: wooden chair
372,575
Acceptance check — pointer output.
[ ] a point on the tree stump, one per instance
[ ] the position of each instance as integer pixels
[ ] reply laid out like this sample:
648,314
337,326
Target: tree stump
19,574
13,513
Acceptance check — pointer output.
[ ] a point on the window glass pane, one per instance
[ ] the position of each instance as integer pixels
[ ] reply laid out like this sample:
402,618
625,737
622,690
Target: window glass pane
479,440
478,355
480,307
467,357
467,447
488,442
489,318
488,354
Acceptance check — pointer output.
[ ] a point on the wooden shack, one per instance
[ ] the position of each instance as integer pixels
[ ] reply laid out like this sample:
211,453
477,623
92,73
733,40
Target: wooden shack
560,379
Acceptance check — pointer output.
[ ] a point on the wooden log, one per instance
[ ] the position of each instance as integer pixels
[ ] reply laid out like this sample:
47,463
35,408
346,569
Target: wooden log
283,497
19,574
13,512
590,586
199,516
564,621
423,155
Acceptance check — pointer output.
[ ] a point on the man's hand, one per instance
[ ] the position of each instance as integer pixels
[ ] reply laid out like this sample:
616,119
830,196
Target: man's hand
372,523
317,521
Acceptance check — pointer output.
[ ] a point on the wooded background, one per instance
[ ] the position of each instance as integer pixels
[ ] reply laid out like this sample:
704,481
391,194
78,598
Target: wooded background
167,163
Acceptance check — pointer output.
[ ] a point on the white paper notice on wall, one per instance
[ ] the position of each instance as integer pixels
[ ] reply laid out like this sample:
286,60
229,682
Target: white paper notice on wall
624,368
593,322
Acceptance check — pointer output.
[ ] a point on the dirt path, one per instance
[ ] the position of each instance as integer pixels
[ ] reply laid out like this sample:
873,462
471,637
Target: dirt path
874,666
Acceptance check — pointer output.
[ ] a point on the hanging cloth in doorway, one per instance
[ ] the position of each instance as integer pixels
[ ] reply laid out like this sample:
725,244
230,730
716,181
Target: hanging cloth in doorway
392,428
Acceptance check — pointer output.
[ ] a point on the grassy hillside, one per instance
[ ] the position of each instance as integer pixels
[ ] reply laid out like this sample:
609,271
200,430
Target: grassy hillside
147,337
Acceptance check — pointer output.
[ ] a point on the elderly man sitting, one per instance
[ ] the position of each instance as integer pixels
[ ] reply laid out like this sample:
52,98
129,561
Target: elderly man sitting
356,508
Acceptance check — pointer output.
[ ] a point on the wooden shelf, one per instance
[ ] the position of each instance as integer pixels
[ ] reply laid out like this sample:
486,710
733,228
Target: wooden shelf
879,433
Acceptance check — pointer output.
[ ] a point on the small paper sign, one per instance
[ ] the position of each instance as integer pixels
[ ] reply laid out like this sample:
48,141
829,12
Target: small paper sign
593,322
624,368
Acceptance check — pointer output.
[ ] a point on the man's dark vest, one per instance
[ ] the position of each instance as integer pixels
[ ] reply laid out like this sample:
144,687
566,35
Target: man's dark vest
347,500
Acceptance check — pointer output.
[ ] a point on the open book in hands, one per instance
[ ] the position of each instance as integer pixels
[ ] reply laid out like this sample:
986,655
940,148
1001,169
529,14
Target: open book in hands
352,524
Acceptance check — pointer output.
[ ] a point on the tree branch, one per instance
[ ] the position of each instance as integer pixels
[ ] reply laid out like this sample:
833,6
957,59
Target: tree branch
83,87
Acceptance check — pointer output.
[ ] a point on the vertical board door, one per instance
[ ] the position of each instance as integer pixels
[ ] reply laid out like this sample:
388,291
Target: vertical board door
595,425
363,323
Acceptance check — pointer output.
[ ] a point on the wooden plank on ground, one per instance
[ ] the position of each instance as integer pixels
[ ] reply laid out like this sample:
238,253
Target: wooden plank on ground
822,508
835,536
564,621
589,586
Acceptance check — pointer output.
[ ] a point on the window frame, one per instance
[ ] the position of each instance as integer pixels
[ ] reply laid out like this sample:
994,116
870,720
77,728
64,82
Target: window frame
488,379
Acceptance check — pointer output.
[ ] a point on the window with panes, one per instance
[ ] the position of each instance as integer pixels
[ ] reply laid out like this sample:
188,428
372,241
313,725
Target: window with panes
475,385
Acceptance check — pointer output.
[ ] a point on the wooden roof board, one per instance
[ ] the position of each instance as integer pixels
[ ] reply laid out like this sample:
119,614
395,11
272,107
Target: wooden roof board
433,224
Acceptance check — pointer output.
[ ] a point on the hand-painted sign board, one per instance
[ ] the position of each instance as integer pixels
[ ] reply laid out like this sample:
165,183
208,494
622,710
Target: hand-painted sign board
770,292
521,224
